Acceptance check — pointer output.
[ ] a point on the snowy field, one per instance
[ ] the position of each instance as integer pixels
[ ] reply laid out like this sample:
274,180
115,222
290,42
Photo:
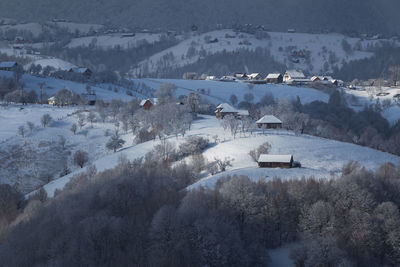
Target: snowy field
321,158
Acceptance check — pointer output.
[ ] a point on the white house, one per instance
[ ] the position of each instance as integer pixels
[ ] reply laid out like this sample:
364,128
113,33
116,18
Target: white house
293,75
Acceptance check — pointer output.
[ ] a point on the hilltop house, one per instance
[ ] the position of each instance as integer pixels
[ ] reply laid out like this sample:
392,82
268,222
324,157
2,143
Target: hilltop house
274,78
225,109
83,71
8,65
269,122
275,161
293,75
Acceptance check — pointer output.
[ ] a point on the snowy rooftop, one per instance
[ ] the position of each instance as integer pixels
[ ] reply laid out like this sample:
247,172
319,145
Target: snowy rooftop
79,70
269,119
144,102
225,107
295,74
273,75
243,112
7,64
275,158
253,75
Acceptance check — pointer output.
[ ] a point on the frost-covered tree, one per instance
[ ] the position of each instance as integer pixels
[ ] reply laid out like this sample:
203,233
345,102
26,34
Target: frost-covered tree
22,130
74,128
115,142
46,120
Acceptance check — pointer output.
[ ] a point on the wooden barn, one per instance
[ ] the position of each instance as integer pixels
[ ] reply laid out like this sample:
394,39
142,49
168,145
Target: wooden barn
274,78
275,161
146,104
269,122
82,71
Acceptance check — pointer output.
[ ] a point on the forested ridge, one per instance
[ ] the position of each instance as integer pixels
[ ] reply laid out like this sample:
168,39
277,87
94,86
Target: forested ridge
362,16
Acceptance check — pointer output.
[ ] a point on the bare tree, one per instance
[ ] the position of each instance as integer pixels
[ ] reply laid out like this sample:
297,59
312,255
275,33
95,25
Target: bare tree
31,126
45,120
395,71
62,141
74,128
91,117
81,120
21,131
80,158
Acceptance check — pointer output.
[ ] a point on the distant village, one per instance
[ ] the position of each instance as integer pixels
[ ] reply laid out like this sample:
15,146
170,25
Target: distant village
290,77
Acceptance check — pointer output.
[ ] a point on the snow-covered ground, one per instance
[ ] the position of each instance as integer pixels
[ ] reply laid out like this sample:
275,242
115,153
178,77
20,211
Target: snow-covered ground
280,44
41,142
320,158
113,40
221,91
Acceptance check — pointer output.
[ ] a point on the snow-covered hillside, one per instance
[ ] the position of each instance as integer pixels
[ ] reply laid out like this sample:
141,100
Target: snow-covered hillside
320,47
319,157
123,41
221,91
53,85
55,63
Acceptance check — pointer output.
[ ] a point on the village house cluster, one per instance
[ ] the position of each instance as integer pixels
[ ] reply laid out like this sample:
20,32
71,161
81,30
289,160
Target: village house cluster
290,77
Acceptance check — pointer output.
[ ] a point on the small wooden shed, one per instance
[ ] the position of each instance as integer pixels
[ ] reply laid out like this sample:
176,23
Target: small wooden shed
275,161
146,104
274,78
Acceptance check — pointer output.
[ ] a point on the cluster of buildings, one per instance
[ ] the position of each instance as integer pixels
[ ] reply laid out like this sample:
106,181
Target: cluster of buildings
266,122
290,77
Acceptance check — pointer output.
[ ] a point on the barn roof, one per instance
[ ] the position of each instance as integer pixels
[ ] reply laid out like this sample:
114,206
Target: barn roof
225,107
295,74
253,75
243,112
275,158
79,70
144,102
7,64
273,75
269,119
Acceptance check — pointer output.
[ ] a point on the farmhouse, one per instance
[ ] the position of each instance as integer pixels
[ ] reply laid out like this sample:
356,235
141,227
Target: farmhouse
83,71
254,76
275,161
293,75
240,76
269,122
225,109
52,101
146,104
274,78
8,65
